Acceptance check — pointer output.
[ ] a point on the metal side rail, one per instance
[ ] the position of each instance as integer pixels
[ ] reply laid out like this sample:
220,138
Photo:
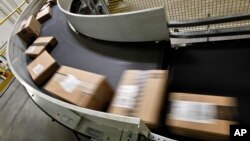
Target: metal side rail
211,33
155,137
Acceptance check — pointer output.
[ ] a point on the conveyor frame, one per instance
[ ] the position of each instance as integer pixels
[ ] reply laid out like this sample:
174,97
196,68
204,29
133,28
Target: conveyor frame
106,127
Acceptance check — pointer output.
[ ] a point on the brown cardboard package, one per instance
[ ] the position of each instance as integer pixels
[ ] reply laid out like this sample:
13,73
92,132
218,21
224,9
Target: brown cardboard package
33,51
45,6
49,41
52,2
40,44
141,94
81,88
42,68
48,3
44,15
29,30
201,116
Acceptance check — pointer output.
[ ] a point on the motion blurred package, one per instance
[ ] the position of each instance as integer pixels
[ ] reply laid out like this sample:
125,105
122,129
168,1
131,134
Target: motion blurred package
141,94
201,116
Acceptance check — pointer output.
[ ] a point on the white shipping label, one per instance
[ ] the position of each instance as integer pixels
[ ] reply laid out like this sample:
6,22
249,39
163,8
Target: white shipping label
69,83
38,69
31,49
126,96
193,111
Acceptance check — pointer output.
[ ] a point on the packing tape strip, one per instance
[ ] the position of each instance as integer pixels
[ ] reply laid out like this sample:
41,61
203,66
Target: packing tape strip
40,44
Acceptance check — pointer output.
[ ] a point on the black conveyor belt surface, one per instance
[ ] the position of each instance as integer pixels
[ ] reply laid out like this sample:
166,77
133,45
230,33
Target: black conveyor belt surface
102,57
219,68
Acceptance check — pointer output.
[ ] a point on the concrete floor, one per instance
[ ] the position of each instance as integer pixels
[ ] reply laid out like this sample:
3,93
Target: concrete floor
22,120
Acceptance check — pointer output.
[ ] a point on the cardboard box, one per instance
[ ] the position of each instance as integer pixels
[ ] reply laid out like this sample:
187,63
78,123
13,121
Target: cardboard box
82,88
48,3
33,51
201,116
52,2
48,41
29,30
40,44
141,94
45,6
42,68
44,15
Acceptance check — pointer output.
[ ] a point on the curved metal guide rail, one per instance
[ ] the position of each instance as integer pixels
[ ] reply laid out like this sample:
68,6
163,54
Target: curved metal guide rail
97,125
124,27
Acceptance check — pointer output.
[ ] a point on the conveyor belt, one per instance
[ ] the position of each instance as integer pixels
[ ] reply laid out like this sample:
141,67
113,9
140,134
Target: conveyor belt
220,69
79,51
106,58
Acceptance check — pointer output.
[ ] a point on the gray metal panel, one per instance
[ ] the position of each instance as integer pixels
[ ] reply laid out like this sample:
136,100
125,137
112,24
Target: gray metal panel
126,27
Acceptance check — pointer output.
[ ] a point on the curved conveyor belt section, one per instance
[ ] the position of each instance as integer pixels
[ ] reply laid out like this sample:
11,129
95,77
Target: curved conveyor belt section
107,58
124,27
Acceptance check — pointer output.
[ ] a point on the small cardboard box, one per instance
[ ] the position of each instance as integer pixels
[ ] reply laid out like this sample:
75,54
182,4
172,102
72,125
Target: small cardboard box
45,6
48,41
40,44
82,88
44,15
33,51
141,94
29,30
52,2
201,116
42,68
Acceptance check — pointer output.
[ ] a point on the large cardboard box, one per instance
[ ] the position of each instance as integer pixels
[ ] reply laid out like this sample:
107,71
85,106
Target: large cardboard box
44,15
141,94
40,44
201,116
29,30
80,87
42,68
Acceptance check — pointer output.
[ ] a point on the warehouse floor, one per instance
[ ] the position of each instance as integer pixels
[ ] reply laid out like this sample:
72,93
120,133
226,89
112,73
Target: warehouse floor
22,120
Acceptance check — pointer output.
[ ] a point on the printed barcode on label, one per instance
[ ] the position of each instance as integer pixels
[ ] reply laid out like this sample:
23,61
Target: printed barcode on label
31,49
38,69
126,96
193,111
